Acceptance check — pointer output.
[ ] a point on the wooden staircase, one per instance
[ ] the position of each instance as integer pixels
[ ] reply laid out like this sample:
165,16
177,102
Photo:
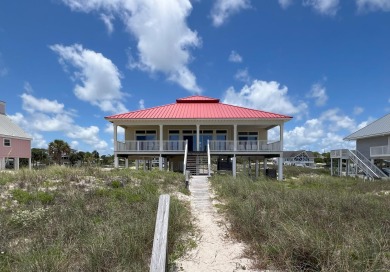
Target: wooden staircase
197,163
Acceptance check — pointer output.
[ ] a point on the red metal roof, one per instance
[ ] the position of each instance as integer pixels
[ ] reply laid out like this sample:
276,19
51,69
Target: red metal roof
198,107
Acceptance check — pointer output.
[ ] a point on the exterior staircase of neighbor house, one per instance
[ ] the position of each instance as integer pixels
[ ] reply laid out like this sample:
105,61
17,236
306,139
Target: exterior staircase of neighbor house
197,163
369,168
360,161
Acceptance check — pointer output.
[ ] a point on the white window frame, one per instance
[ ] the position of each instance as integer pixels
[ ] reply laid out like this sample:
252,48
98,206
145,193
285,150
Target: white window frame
9,141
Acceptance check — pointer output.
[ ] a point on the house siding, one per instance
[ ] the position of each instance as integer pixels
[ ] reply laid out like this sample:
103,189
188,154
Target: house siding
130,131
20,148
363,145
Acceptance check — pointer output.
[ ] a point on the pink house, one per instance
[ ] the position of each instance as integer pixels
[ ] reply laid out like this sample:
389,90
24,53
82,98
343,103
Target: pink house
14,142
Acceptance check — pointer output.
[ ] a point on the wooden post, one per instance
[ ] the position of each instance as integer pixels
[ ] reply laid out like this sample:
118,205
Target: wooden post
158,262
188,176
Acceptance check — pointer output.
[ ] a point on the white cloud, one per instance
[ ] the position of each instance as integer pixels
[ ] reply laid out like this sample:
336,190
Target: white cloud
223,9
318,92
372,5
243,75
325,7
163,36
302,137
99,78
141,104
267,96
338,121
357,110
107,20
285,3
32,104
235,57
89,135
74,144
54,118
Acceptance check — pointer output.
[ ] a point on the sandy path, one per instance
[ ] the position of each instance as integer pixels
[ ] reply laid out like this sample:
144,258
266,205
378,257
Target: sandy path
215,251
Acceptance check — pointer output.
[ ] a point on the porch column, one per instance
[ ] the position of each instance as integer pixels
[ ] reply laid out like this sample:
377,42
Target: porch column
331,166
197,137
2,163
234,166
126,162
257,168
29,163
281,136
235,137
161,138
137,164
116,162
265,166
280,168
160,163
16,163
115,137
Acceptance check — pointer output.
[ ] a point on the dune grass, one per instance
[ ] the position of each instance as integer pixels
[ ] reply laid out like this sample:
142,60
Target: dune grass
62,219
312,223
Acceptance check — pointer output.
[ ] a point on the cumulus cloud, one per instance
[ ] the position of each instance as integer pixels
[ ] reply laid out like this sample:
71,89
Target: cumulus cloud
235,57
325,7
51,116
285,3
141,104
243,75
98,79
33,104
223,9
107,20
163,37
372,5
267,96
318,92
357,110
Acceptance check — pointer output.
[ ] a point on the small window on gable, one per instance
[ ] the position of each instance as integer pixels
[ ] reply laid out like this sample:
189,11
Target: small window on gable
7,142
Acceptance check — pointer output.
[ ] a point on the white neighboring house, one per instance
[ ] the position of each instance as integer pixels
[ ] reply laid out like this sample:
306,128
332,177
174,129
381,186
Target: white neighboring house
372,154
14,142
299,158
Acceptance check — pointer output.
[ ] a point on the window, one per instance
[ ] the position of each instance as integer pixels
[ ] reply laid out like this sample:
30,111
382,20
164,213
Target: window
247,136
145,135
7,142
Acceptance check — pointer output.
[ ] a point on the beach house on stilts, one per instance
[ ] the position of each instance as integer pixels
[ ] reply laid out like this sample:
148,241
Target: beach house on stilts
197,131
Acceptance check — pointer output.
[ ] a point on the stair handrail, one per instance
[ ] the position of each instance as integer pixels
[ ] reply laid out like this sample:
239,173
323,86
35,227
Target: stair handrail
374,168
371,169
208,157
185,157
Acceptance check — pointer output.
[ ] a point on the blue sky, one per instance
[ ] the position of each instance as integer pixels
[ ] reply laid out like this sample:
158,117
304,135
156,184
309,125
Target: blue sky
65,64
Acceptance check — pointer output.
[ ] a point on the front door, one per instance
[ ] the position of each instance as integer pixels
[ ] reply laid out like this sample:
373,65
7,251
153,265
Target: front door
190,139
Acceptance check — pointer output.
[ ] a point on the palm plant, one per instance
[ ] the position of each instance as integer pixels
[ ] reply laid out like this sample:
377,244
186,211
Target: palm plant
57,149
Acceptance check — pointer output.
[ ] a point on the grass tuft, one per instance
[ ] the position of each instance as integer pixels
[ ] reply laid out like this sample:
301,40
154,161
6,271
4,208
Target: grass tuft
67,219
313,223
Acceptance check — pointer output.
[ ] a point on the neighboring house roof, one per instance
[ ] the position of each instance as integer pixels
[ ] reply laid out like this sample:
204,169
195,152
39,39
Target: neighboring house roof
293,154
10,129
198,107
379,127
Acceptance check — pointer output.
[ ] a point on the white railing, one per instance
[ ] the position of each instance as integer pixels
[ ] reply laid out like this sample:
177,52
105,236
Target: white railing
380,151
339,153
153,145
185,157
208,158
261,145
366,165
